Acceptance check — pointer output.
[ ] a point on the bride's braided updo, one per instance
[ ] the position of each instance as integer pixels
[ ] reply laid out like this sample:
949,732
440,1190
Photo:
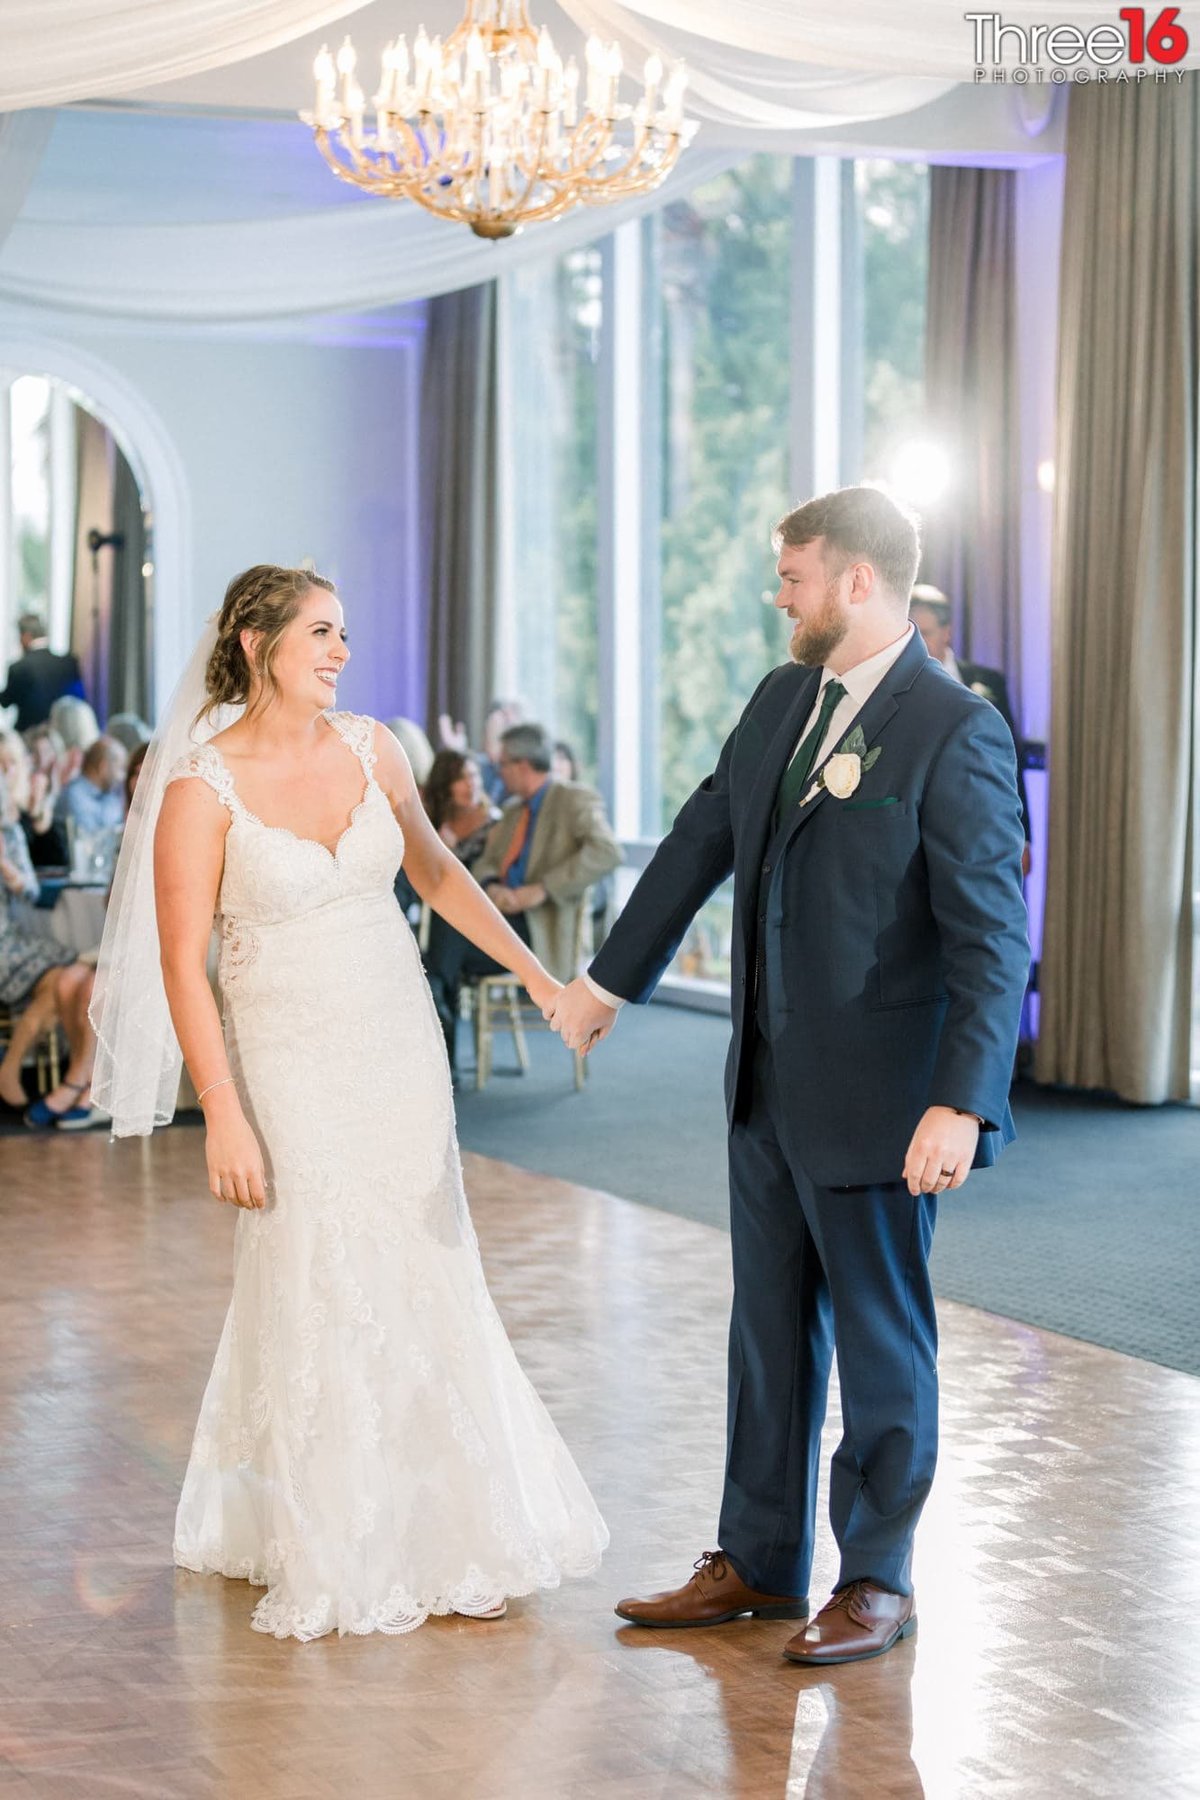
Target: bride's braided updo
266,599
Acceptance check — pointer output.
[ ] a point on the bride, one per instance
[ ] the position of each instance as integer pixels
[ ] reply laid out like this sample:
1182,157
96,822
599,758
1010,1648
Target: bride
368,1448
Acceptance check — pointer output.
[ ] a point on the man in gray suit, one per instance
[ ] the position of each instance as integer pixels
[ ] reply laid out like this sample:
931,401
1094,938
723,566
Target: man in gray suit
549,845
866,806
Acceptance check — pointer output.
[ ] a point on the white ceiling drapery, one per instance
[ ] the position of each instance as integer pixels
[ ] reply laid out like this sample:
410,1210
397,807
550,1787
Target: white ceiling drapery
743,87
922,38
55,51
360,256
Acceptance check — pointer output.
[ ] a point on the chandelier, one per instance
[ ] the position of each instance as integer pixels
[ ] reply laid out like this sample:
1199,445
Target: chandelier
490,127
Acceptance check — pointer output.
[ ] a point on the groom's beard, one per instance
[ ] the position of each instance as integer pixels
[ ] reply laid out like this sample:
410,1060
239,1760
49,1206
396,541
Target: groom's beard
815,640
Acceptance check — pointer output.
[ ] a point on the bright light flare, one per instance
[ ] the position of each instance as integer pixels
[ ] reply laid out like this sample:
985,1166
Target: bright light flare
920,472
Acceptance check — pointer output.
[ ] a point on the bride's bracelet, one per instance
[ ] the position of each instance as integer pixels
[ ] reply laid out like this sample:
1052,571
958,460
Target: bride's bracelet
211,1086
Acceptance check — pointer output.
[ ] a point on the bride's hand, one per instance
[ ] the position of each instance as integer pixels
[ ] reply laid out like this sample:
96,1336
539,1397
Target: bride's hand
543,990
236,1173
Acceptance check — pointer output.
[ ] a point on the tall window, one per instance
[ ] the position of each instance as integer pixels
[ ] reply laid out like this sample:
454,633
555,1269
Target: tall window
893,243
29,404
719,267
676,392
554,315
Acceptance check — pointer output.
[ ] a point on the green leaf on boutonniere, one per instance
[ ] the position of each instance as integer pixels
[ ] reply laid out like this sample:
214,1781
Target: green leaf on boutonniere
856,745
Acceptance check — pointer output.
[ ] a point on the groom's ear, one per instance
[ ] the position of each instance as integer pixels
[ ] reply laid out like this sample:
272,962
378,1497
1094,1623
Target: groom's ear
864,581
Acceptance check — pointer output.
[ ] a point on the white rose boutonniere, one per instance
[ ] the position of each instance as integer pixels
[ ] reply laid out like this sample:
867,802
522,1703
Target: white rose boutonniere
984,691
845,769
843,773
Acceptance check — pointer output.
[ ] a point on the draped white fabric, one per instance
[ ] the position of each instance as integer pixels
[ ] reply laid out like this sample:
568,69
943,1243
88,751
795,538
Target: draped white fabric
23,137
733,82
801,38
60,50
369,254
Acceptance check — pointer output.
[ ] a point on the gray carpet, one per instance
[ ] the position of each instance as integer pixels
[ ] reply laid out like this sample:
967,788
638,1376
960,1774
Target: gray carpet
1090,1225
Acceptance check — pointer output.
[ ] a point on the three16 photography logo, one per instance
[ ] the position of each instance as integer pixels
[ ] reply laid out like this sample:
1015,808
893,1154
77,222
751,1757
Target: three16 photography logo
1146,45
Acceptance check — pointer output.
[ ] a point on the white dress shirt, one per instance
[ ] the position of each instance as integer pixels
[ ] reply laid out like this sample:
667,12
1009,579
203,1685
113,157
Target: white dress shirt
860,683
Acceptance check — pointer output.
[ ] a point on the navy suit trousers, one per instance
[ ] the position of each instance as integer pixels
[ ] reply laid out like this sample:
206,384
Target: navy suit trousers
818,1270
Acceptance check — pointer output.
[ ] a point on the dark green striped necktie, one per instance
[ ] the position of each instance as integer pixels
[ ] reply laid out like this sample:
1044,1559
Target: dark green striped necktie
795,777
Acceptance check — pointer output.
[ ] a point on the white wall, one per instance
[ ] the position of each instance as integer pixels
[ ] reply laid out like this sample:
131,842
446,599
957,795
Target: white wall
278,449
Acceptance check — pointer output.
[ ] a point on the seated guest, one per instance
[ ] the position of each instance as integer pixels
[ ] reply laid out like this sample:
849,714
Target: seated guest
500,715
47,752
38,677
564,764
78,727
42,977
16,774
930,612
95,799
416,746
551,843
128,729
460,812
137,757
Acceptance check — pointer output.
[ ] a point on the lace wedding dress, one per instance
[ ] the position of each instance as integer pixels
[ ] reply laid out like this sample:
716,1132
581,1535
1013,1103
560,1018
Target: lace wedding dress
368,1447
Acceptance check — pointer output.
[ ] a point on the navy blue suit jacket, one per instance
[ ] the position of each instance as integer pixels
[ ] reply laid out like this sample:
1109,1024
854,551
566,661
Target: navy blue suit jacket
893,923
35,681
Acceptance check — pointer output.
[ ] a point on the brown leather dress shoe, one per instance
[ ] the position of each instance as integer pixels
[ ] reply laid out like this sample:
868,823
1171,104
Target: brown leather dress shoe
860,1621
715,1594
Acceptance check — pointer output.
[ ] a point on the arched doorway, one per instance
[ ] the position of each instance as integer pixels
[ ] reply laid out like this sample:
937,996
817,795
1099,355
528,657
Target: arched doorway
117,476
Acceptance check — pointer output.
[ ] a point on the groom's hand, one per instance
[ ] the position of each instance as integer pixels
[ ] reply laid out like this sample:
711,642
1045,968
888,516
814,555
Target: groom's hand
579,1018
942,1151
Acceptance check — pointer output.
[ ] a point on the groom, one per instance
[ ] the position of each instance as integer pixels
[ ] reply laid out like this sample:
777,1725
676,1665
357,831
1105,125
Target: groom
866,805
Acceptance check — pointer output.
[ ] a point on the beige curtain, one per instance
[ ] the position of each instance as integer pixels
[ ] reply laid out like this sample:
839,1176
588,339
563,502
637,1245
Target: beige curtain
1117,964
459,502
972,549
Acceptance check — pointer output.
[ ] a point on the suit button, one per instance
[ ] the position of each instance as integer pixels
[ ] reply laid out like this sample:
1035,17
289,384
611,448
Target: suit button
766,868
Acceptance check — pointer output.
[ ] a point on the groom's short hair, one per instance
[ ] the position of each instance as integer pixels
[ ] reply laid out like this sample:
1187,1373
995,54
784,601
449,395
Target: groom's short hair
859,522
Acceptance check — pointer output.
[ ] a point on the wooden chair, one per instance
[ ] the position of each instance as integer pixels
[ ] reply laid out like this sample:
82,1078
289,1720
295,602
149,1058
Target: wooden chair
498,1002
46,1052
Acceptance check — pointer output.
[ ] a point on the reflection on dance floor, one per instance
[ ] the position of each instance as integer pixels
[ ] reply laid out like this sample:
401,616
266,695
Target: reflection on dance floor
1057,1575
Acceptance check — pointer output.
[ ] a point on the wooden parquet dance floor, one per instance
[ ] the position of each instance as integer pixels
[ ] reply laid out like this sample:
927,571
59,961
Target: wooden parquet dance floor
1058,1567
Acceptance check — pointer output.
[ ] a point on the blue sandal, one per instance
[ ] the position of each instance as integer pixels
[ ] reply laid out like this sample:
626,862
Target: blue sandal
40,1117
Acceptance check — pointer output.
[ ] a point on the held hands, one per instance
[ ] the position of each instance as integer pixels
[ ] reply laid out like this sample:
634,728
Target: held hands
543,990
942,1151
579,1018
235,1162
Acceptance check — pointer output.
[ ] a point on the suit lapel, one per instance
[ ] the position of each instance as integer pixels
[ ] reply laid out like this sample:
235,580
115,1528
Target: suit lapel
778,754
872,720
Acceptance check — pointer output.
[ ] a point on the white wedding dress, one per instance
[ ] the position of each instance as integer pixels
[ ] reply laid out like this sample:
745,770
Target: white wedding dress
368,1448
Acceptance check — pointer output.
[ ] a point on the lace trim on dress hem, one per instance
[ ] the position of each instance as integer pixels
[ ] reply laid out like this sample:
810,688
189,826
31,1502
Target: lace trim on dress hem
400,1612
